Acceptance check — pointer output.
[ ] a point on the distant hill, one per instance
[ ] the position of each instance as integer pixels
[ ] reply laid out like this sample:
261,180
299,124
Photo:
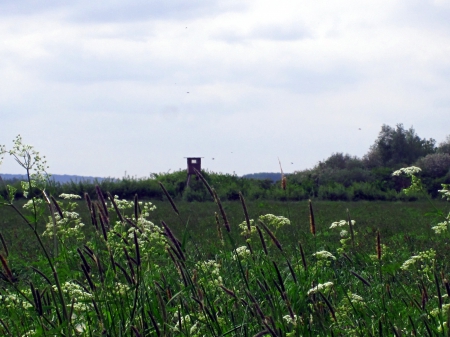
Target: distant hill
263,175
60,178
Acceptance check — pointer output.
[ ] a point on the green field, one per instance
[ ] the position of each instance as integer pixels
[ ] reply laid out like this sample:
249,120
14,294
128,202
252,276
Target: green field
200,285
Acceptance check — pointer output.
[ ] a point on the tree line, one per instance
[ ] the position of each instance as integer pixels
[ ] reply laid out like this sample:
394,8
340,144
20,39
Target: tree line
339,177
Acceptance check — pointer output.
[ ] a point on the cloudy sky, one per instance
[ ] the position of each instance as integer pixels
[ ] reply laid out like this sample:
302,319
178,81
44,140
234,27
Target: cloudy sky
104,87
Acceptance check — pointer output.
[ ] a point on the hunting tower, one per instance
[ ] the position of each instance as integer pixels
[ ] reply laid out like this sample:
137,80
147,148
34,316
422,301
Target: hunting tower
193,163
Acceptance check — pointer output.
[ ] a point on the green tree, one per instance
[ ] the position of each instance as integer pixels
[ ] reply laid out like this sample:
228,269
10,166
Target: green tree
400,146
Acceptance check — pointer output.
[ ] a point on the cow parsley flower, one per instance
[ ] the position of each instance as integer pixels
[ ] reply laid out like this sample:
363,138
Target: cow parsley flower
274,220
69,196
440,227
341,223
320,287
324,255
242,252
409,171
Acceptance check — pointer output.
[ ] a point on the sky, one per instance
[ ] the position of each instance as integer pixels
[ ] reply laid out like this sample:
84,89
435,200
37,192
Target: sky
107,87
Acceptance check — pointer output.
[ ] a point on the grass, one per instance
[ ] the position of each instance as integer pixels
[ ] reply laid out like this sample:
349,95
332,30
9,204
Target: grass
199,285
123,268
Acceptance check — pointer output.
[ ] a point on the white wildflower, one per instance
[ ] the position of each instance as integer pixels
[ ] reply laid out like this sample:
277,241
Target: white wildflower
323,255
435,311
341,223
409,171
440,227
354,298
67,196
242,252
320,287
290,320
274,220
343,233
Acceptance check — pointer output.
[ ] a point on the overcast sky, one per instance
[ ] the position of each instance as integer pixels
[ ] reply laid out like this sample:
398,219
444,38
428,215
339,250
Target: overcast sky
104,87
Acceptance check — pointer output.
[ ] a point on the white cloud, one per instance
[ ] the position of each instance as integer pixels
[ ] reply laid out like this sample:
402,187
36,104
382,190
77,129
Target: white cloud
104,88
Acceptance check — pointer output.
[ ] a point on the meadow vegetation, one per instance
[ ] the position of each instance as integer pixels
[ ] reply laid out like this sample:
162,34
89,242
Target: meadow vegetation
125,267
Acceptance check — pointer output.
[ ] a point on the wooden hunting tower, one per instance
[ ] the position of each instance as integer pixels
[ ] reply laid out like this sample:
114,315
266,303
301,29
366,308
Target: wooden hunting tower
193,163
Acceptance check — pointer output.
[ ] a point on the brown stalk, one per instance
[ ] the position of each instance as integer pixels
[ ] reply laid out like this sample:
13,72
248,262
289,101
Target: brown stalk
136,247
137,209
174,240
174,207
312,223
102,222
302,253
247,219
263,242
155,325
272,236
198,173
101,198
228,291
116,208
91,210
8,272
57,207
222,211
5,247
362,279
330,307
283,178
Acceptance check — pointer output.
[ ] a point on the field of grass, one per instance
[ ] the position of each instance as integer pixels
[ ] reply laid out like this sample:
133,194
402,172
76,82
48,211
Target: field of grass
128,275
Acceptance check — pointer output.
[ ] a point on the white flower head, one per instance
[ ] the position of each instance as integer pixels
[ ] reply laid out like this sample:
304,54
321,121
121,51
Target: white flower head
409,171
324,255
320,287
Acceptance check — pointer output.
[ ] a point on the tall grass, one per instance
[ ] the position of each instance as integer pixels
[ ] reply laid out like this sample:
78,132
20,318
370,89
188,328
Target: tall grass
122,274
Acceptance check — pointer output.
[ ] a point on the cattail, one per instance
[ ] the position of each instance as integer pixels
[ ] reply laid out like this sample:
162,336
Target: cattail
88,277
174,207
155,325
330,307
137,209
102,222
36,299
197,172
447,286
291,270
127,277
283,178
247,219
43,275
272,236
135,331
228,291
280,278
302,254
378,246
83,259
8,272
312,223
101,198
116,208
283,183
136,247
174,240
222,211
362,279
57,207
5,247
261,237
